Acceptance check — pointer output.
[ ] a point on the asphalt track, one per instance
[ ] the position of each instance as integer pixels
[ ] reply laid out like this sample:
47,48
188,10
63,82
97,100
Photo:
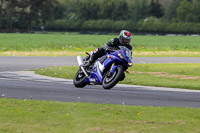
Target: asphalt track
25,85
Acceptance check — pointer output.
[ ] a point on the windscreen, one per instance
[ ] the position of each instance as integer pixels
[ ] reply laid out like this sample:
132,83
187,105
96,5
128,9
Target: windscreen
126,51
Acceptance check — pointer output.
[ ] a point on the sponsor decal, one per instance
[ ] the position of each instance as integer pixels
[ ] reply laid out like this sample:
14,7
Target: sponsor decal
99,68
95,50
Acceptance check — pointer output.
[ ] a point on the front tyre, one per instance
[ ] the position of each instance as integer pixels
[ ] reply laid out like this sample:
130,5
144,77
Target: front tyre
79,80
111,81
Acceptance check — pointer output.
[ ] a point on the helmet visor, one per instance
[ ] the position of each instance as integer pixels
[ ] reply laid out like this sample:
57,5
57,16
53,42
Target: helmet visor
126,40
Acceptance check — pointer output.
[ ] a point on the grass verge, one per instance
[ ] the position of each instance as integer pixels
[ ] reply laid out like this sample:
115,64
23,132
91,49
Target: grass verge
71,45
60,117
176,75
74,52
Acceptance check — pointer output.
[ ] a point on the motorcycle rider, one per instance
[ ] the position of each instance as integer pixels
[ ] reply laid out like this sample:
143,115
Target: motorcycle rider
123,40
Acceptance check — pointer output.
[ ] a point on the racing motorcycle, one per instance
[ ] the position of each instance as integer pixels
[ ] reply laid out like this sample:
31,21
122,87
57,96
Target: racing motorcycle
106,71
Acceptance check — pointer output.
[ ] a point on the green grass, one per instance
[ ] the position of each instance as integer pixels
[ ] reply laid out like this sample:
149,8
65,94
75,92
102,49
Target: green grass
144,45
29,116
181,75
166,75
167,43
50,42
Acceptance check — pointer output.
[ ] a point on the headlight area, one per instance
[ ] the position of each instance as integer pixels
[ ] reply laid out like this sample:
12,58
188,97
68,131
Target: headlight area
120,55
130,63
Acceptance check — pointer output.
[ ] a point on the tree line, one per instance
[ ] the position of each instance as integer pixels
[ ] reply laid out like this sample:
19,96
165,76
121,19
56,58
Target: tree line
80,15
22,14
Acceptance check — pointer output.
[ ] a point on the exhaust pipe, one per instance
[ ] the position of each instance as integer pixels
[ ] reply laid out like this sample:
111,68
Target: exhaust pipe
80,60
80,64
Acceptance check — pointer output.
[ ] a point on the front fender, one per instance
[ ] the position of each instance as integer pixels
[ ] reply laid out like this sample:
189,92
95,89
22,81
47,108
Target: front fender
113,68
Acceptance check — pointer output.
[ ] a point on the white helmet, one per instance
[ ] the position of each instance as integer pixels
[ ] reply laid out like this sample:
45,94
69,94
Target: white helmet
125,37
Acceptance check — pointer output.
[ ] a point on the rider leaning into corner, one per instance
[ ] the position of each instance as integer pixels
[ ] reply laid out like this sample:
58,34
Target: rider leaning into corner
123,40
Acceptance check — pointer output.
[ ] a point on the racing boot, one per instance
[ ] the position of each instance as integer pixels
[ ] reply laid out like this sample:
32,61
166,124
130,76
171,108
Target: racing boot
98,52
89,62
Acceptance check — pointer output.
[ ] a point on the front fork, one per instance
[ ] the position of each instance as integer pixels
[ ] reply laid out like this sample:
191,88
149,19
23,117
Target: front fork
112,69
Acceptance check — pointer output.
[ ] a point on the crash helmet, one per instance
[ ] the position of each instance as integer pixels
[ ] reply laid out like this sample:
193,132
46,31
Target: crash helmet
124,37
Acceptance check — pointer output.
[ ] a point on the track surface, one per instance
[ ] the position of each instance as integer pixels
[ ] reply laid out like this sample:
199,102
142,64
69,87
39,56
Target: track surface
30,86
22,63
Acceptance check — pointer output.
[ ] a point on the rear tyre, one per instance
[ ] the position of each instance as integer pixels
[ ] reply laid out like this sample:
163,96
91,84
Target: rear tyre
111,81
79,80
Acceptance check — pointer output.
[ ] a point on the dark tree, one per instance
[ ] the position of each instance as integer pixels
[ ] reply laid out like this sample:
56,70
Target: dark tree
106,9
155,9
1,6
184,11
10,12
139,10
120,10
171,10
41,11
88,9
196,11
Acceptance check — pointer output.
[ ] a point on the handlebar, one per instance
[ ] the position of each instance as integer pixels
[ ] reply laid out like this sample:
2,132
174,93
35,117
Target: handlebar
111,49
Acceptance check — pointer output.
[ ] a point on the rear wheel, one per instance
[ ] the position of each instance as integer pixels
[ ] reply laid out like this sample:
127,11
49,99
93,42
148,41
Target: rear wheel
110,81
79,80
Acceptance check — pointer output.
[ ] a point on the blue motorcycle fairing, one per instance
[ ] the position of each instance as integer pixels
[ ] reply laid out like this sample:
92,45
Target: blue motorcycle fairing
87,80
112,57
98,68
97,72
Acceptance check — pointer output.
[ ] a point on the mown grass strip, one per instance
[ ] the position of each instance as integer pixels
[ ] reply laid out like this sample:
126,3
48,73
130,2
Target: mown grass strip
52,44
177,75
61,117
75,52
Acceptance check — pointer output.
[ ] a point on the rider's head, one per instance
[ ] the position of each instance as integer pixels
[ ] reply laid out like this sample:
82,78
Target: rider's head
125,37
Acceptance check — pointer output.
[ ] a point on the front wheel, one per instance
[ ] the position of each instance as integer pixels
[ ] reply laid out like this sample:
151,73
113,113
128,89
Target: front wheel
79,80
111,80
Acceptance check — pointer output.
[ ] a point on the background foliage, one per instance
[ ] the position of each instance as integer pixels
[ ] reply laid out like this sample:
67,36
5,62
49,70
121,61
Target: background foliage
144,16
